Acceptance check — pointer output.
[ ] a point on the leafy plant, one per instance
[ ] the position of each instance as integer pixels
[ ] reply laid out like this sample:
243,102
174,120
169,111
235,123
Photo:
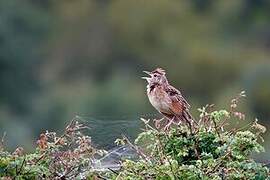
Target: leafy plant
211,150
56,157
208,152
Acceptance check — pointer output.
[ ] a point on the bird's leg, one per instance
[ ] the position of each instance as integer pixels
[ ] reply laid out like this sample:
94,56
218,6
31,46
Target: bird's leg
158,122
190,126
179,123
167,127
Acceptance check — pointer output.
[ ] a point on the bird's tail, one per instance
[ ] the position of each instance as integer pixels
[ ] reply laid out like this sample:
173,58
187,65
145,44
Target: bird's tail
187,118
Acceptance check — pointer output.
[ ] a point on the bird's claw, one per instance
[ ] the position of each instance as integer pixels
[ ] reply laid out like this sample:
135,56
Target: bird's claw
158,122
168,126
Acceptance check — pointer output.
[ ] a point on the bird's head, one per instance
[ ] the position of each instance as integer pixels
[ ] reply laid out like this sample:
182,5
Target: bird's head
156,77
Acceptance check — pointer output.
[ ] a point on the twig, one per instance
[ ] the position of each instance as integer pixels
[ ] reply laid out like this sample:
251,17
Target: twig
69,129
215,126
241,128
136,148
163,152
21,166
113,171
99,176
146,123
2,141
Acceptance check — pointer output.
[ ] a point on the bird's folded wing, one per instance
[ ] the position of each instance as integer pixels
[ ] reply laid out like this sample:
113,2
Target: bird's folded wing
178,101
176,107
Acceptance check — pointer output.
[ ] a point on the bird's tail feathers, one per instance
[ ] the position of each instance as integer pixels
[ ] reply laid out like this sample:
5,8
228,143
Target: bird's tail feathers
189,119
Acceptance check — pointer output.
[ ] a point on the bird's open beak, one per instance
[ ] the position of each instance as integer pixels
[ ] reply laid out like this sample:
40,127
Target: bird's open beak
147,78
147,72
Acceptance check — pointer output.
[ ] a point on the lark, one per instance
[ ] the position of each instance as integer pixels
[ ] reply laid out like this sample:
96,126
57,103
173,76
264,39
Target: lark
166,99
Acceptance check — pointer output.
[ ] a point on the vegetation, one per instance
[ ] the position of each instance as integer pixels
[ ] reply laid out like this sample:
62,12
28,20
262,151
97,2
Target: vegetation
210,151
56,157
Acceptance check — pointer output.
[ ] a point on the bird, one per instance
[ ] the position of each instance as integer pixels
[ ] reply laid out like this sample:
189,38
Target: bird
166,99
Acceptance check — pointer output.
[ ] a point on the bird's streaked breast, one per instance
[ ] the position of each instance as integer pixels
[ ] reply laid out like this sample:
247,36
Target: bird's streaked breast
158,98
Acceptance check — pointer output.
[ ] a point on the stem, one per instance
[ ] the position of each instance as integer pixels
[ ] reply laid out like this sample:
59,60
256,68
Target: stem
136,149
216,127
163,152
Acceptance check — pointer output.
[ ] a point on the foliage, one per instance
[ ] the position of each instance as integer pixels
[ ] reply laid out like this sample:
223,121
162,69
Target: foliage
210,150
56,157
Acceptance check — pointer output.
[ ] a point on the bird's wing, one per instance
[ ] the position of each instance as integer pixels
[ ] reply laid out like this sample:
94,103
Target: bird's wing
179,104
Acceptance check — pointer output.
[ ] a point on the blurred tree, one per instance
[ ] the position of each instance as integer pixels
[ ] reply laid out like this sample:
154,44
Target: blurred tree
22,31
61,58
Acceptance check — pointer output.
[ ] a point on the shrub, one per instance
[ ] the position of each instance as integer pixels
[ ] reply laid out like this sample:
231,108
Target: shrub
210,150
56,157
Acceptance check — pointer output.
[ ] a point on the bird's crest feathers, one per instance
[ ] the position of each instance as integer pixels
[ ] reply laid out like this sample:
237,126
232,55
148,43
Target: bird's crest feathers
159,71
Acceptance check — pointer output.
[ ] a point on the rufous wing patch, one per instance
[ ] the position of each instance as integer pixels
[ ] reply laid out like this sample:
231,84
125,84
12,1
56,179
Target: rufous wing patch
177,107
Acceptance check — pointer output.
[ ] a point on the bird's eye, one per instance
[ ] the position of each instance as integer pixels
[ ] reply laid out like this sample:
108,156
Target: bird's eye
155,75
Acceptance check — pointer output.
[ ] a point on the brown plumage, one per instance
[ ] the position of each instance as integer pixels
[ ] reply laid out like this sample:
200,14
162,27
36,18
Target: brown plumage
167,99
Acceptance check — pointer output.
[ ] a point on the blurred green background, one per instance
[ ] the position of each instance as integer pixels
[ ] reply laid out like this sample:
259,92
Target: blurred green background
63,58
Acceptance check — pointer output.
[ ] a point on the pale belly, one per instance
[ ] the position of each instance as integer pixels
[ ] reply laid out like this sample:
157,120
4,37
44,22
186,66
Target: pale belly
160,101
